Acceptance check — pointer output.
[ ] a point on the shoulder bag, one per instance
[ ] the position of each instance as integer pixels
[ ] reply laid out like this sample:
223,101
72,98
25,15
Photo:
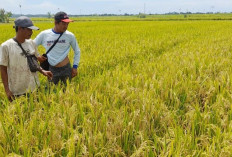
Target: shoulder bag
45,64
31,59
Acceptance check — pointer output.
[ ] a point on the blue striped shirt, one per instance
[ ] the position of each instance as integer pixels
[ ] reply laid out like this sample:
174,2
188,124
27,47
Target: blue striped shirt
60,51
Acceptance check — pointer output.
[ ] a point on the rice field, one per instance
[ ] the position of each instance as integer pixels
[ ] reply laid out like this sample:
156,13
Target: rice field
144,88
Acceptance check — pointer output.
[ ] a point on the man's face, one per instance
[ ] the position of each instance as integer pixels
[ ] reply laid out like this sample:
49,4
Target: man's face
62,26
26,32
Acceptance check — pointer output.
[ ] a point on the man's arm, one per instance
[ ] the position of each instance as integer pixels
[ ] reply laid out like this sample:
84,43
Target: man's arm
46,73
41,59
77,53
4,76
36,42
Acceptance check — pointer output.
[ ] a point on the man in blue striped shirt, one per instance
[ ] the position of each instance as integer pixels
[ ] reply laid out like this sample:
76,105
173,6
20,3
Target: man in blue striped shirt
59,63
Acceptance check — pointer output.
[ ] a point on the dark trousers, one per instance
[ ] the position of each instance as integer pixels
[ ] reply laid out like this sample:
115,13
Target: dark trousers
61,74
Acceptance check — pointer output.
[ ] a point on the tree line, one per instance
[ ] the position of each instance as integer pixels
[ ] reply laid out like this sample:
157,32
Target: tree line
5,16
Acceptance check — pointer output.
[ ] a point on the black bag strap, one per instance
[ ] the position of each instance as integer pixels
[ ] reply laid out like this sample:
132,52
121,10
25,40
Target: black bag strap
26,54
54,44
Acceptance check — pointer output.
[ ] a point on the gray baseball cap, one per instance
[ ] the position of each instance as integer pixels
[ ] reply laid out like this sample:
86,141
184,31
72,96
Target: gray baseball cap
26,22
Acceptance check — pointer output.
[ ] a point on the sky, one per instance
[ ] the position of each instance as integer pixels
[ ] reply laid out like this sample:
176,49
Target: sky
83,7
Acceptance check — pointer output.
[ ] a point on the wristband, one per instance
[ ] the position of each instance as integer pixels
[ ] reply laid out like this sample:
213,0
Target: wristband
75,66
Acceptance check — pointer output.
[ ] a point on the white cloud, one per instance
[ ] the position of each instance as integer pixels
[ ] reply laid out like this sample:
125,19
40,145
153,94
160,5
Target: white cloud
44,7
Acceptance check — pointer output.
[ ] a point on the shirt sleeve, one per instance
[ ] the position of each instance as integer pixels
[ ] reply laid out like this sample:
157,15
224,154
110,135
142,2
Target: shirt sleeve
36,50
4,55
39,38
76,50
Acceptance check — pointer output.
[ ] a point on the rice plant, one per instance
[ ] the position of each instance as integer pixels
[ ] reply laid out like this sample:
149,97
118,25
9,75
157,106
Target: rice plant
144,88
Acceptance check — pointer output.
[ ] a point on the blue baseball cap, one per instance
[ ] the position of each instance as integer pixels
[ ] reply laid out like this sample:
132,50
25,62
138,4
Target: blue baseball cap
25,22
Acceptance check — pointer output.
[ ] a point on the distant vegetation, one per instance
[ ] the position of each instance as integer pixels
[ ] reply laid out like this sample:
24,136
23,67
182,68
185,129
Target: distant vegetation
4,16
141,16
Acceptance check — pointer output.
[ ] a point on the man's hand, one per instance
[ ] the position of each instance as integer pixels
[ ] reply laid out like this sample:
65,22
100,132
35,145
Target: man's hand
41,59
48,74
74,72
9,95
4,76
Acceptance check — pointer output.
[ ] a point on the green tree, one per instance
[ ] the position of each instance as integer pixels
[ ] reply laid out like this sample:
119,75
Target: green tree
49,15
2,15
5,16
142,15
